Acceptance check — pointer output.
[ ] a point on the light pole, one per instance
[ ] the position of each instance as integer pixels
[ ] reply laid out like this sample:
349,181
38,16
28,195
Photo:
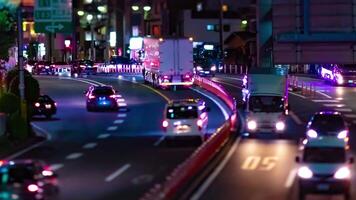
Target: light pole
90,18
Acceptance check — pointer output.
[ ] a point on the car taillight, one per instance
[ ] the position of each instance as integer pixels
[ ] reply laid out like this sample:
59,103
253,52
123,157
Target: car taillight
165,124
55,103
37,104
32,188
165,77
91,96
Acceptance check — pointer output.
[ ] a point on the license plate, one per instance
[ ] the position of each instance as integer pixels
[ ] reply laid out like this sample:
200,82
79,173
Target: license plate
104,103
206,72
323,187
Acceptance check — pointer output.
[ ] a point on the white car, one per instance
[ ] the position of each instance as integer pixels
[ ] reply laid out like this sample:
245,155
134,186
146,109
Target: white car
325,167
185,118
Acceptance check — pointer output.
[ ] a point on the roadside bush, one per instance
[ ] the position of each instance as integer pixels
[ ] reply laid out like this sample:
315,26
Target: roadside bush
9,103
32,87
18,127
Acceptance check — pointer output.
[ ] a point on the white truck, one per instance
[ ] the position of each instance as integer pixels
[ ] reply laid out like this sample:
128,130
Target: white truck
266,102
168,62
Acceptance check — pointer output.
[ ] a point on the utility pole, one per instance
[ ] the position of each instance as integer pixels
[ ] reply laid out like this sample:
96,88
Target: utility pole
221,31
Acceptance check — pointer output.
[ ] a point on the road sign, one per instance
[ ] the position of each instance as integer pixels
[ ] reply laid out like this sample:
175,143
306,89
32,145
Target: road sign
53,16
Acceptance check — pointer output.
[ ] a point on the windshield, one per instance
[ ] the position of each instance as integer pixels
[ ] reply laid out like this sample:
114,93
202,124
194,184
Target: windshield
327,123
105,92
182,112
324,155
266,104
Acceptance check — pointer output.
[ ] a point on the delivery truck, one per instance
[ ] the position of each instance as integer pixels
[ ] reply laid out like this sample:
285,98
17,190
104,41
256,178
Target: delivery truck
168,62
265,101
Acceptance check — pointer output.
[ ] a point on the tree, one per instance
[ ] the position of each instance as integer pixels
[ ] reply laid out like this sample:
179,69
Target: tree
7,32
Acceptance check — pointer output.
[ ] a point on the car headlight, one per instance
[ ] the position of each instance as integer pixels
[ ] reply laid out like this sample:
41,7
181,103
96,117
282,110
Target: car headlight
305,173
342,173
280,126
343,134
251,125
213,68
199,68
339,79
312,134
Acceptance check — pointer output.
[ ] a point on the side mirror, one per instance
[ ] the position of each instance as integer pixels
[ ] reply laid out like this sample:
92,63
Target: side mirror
352,160
297,159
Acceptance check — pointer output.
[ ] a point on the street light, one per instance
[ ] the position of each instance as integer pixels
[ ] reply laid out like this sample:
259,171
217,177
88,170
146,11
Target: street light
146,8
80,13
102,9
135,8
244,22
90,17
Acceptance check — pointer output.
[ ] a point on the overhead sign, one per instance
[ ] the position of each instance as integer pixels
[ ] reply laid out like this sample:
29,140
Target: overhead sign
53,16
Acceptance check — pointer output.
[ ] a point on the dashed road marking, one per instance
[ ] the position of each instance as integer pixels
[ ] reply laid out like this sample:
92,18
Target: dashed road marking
343,109
325,95
334,105
295,118
159,141
112,128
103,136
56,167
290,178
122,109
117,173
122,104
325,101
74,156
90,145
119,121
120,100
350,115
121,115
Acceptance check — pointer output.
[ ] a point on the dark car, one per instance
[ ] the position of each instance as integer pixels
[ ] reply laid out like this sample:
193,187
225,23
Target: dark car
327,124
43,67
27,180
83,67
115,60
45,106
204,67
101,98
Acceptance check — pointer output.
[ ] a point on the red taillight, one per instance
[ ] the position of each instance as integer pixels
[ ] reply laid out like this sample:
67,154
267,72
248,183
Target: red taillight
91,96
37,104
32,188
165,124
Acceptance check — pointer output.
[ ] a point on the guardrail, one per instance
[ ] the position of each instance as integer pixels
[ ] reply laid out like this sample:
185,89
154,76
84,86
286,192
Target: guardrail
118,68
185,172
233,69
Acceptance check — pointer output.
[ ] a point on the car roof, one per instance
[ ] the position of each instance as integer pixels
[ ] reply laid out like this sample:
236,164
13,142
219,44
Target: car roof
182,102
325,142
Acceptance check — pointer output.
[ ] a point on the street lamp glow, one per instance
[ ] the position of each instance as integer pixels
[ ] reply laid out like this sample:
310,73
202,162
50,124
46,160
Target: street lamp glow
135,8
89,17
147,8
80,12
244,22
102,9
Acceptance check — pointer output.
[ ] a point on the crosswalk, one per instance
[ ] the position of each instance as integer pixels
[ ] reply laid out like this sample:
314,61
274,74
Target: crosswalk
338,106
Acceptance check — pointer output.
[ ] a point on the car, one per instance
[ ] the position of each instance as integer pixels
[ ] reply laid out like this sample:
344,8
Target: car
101,98
327,123
43,67
44,105
324,167
204,67
30,64
338,74
27,180
62,68
115,60
185,118
83,67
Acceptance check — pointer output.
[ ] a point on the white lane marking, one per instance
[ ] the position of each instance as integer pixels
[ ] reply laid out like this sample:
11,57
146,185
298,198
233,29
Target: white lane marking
103,136
290,179
350,115
134,79
159,141
298,95
120,100
117,173
13,156
334,105
74,156
123,109
120,77
112,128
56,167
201,190
93,81
295,118
325,95
225,113
122,104
83,81
119,96
42,131
343,109
90,145
119,121
122,115
232,78
340,98
325,101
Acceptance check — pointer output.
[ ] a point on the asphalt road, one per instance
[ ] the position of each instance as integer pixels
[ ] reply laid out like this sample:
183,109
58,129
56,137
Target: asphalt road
111,155
264,168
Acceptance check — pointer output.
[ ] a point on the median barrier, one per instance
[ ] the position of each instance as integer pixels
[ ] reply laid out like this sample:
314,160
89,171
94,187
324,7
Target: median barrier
186,171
